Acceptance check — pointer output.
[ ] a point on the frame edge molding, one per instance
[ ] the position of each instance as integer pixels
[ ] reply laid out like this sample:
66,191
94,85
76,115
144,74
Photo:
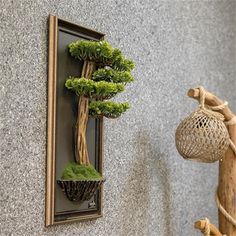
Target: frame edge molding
52,77
50,219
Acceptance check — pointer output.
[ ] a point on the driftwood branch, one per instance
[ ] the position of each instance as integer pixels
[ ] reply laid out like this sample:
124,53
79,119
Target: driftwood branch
81,150
212,100
227,167
201,224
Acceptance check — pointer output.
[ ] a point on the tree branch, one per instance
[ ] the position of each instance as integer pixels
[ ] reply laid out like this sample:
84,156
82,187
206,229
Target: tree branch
201,224
212,100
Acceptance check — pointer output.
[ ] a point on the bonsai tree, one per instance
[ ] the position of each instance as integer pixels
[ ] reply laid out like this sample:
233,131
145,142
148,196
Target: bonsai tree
105,73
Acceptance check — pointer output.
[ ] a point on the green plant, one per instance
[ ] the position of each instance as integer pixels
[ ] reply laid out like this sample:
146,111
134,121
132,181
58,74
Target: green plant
92,89
90,50
102,53
107,108
106,82
111,75
75,171
119,62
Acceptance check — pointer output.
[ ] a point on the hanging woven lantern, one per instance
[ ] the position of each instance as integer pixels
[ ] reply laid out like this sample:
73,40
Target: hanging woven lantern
202,136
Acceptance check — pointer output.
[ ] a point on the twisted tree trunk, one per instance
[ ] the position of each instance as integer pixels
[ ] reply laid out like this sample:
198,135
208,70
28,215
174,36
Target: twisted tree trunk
81,150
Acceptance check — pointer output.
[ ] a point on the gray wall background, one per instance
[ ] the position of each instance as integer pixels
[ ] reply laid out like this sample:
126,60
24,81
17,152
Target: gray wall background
150,190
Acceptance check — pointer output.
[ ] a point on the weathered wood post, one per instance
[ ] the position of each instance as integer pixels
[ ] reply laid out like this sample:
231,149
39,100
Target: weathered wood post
227,167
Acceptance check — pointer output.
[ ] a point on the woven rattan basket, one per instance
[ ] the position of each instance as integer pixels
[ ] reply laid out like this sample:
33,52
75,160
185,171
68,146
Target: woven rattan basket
80,190
202,136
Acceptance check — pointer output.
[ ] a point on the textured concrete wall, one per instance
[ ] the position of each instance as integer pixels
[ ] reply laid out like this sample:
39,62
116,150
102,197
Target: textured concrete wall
149,190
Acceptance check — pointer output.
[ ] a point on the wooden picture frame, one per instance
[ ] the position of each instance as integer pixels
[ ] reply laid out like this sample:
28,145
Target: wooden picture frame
52,216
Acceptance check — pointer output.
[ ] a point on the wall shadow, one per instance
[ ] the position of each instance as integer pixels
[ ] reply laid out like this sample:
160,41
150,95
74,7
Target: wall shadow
149,168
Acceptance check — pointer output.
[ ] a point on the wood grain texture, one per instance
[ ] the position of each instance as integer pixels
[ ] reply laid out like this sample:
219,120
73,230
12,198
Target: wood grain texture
81,151
201,224
227,186
52,78
212,100
227,168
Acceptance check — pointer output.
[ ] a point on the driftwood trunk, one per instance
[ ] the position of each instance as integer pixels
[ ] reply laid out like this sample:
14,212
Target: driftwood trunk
227,168
227,187
81,150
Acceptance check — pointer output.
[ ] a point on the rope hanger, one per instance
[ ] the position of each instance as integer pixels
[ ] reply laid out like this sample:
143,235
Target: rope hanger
207,228
208,108
206,231
202,136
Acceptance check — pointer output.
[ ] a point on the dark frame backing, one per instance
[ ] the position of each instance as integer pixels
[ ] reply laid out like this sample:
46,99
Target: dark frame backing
51,216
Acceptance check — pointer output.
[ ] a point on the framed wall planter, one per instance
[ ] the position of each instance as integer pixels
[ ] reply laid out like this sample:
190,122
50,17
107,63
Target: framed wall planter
60,133
84,72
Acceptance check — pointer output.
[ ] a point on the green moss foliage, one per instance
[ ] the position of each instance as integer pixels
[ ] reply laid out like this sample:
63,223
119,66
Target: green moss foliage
74,171
89,88
111,75
119,62
102,53
108,109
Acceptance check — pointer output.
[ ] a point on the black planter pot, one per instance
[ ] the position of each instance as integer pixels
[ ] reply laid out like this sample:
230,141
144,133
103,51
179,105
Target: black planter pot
79,190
